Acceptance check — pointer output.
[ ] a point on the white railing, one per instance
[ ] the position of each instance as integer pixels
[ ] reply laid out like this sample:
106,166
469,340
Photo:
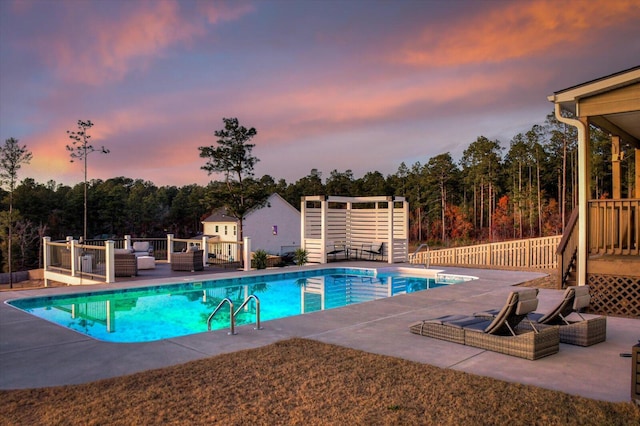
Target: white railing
539,253
73,263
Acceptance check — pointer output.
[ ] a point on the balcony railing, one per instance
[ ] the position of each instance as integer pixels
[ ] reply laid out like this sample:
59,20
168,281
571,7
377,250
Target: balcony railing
614,227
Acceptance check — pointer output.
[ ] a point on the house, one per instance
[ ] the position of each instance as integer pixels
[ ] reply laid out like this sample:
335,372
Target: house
601,243
275,227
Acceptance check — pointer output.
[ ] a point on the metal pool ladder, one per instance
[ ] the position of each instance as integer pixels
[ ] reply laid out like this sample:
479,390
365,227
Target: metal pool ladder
415,254
232,314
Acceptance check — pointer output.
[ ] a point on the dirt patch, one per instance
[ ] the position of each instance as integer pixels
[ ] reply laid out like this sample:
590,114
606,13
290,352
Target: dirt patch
301,381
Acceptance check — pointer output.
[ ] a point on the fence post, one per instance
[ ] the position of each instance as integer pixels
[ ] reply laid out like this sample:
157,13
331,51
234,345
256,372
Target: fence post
205,250
110,266
127,242
169,247
527,245
46,258
246,253
74,257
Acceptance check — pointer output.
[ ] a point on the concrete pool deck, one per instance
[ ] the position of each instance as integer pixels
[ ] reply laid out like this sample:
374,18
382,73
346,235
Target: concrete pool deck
37,353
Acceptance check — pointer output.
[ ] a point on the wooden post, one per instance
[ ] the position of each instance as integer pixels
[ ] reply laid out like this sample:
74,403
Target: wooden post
637,172
615,167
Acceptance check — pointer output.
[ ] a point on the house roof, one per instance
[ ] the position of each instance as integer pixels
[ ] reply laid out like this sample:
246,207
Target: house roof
220,215
611,103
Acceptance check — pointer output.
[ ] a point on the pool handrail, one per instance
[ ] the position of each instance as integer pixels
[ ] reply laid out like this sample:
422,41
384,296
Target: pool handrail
252,296
231,315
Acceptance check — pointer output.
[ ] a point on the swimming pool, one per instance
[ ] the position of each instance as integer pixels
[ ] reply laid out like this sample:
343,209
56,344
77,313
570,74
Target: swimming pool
143,314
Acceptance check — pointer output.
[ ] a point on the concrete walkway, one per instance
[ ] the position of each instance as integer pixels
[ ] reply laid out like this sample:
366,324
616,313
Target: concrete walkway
36,353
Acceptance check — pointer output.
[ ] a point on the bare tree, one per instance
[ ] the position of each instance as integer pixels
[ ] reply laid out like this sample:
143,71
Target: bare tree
80,150
12,156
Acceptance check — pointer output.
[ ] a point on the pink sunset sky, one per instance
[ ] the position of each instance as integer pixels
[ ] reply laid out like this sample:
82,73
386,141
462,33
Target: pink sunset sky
360,85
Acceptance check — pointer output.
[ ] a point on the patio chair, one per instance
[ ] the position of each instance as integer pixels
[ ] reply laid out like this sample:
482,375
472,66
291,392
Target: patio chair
376,249
336,248
125,263
500,334
142,248
187,261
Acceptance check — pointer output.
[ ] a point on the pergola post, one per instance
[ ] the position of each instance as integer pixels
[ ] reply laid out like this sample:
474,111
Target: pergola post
323,227
390,233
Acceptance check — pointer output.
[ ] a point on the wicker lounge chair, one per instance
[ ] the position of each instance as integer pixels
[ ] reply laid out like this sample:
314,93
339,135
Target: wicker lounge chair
500,334
585,332
187,261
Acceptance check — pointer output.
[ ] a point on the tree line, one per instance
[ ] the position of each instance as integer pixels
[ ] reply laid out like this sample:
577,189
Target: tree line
493,193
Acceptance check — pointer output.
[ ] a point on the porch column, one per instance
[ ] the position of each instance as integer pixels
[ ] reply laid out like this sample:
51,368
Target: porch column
637,172
584,193
615,167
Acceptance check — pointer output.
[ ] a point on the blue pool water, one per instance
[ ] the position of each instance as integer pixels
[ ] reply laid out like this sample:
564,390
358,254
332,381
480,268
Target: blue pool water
160,312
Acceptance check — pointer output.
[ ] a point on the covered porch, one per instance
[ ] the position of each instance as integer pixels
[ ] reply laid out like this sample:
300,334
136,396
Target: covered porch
601,242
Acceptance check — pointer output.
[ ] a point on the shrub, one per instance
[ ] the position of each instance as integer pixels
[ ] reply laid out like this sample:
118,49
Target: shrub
260,259
300,257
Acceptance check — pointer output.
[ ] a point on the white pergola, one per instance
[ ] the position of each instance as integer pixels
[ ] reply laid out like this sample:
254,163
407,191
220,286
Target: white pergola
357,223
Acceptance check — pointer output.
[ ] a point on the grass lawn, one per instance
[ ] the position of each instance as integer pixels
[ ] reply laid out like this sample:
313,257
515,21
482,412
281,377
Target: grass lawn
301,381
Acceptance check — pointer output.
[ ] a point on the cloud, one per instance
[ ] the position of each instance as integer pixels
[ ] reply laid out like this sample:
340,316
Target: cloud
94,46
515,30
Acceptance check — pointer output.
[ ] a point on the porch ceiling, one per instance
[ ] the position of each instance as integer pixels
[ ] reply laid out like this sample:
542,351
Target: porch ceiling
611,103
627,125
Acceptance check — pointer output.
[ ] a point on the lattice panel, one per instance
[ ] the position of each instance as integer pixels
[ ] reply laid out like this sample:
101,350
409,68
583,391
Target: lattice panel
614,295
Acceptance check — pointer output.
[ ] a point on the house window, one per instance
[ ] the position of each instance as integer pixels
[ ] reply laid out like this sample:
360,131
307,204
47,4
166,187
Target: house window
234,230
217,229
225,230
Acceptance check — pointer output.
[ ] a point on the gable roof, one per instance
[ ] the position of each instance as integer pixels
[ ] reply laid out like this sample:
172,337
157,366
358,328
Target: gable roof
221,215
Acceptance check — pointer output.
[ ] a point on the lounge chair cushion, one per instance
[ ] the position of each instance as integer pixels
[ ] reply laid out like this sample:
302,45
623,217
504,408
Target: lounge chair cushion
498,322
527,301
562,309
459,321
582,298
519,305
141,246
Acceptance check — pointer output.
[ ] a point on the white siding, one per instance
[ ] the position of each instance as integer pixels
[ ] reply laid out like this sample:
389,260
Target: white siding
231,234
258,225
